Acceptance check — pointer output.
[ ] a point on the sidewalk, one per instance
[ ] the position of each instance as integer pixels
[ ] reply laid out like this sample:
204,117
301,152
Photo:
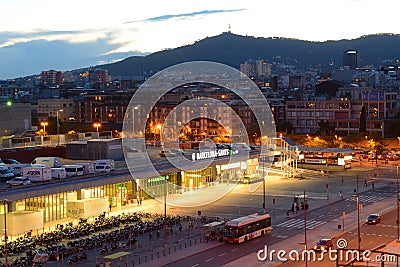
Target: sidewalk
185,253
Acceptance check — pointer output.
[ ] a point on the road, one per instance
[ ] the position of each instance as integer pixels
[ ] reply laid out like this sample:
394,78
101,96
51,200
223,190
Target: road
284,228
372,237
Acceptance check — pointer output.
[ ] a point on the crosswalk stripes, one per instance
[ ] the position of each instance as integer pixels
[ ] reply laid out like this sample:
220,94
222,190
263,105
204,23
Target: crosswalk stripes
367,198
299,223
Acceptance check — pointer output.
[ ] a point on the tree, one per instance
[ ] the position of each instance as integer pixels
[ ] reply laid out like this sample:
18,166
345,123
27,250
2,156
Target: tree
285,126
363,121
325,128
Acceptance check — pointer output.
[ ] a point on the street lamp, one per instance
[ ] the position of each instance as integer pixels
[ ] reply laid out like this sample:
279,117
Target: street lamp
44,124
5,201
58,126
305,224
397,198
133,119
358,223
97,125
263,174
165,216
159,131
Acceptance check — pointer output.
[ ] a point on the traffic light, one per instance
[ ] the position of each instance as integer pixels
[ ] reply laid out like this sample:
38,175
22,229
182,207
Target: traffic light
9,103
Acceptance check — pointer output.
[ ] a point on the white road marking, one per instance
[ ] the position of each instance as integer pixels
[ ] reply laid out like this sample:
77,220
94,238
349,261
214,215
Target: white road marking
210,259
234,249
220,255
195,265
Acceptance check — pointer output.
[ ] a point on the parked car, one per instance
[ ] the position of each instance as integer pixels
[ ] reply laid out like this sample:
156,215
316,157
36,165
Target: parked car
10,161
373,219
19,181
177,151
324,244
164,153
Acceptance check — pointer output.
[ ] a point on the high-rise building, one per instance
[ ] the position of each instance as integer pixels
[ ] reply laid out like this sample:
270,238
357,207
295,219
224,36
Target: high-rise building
351,59
256,68
52,77
98,76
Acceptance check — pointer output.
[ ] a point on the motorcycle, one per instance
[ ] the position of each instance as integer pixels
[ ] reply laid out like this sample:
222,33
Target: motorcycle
73,259
104,251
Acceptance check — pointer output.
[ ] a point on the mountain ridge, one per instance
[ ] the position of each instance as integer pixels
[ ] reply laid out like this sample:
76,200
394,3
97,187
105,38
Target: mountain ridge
232,49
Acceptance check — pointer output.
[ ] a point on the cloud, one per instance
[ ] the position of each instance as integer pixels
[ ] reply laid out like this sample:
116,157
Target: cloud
35,56
186,15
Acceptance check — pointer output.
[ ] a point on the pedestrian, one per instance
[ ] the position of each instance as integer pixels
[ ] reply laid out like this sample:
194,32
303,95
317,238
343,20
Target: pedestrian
295,207
365,183
341,195
140,201
110,206
373,184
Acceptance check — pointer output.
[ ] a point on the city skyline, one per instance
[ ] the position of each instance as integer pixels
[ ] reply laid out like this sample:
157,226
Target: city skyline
82,34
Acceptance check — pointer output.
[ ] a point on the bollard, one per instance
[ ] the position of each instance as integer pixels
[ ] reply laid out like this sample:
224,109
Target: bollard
185,244
145,258
174,248
169,250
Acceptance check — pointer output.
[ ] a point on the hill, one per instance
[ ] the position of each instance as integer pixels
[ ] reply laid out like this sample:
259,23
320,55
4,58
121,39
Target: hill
232,49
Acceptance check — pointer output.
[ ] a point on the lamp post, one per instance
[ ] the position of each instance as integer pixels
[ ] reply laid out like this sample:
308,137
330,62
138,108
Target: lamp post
358,223
133,120
263,174
305,224
165,216
397,198
58,127
97,125
44,124
5,201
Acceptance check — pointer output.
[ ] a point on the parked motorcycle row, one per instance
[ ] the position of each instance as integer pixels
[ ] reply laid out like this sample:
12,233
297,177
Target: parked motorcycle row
108,234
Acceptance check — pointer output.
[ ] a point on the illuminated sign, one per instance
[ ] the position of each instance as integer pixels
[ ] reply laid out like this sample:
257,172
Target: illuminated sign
213,154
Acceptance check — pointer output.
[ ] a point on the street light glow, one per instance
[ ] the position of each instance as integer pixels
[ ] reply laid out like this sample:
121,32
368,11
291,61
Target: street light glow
97,125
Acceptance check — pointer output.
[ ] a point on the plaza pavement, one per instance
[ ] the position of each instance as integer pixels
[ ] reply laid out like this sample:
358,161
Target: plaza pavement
329,229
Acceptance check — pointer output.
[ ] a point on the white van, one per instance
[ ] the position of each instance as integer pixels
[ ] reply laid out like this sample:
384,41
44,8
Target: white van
88,167
73,170
52,162
37,174
17,168
104,165
58,173
5,173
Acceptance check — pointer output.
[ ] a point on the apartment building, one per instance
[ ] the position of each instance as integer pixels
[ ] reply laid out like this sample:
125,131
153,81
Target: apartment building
343,115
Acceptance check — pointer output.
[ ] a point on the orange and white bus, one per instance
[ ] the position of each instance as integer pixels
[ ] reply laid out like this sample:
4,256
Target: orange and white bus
245,228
